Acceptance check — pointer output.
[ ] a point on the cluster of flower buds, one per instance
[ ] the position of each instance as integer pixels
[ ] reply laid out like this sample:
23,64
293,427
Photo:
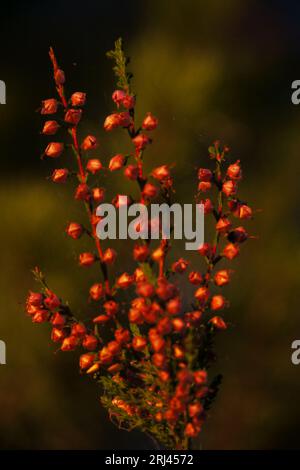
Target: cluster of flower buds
153,364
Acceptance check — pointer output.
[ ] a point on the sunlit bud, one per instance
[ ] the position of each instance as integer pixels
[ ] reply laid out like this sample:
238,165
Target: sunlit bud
122,335
58,319
238,235
195,409
164,375
195,278
230,251
222,277
105,356
200,377
98,194
150,191
93,369
178,325
40,316
73,116
174,306
159,416
229,187
101,319
244,211
158,254
139,343
141,252
31,309
52,301
114,347
78,98
89,143
145,289
165,290
74,230
135,316
180,266
70,343
86,259
60,175
111,122
57,335
234,171
86,360
54,149
141,141
128,101
35,298
161,172
118,96
208,206
131,172
111,308
155,307
93,165
49,106
204,186
218,323
217,302
159,360
109,256
90,342
139,275
191,430
223,224
202,294
96,291
124,281
204,174
150,122
157,343
82,192
164,326
59,77
50,128
179,352
78,329
116,162
205,250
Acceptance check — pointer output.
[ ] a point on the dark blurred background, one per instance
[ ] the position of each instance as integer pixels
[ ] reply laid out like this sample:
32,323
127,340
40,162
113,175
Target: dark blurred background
207,69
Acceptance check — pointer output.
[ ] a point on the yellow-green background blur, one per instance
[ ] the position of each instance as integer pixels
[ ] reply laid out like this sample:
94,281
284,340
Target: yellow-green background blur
207,69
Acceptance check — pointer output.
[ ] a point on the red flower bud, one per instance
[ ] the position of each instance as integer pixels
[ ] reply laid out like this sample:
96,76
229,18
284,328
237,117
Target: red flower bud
234,171
54,149
58,319
217,302
74,230
159,360
218,323
208,206
73,116
122,335
135,316
200,377
90,342
150,191
86,361
222,277
89,143
59,77
180,266
52,301
191,430
131,172
118,96
98,194
164,326
229,187
157,343
145,289
116,162
111,308
82,192
78,98
238,235
223,224
230,251
204,186
109,256
178,325
128,101
202,294
78,329
101,319
178,351
139,343
139,275
86,259
40,316
105,356
70,343
93,165
141,141
50,128
174,306
124,281
49,106
205,250
140,252
150,122
161,172
204,174
60,175
195,278
96,291
35,298
244,212
57,335
114,347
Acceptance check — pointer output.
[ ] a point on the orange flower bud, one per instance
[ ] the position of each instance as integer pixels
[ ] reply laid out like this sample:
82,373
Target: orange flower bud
165,290
204,186
90,342
200,377
89,143
116,162
109,256
111,122
93,369
86,259
70,343
139,275
118,96
124,281
205,250
234,171
57,335
164,326
128,101
178,325
122,335
207,206
195,278
145,289
60,175
139,343
35,298
150,122
204,174
131,172
82,192
114,347
52,301
157,343
159,360
93,165
49,106
161,172
86,361
98,194
135,316
141,141
54,149
229,187
174,306
73,116
105,356
50,128
101,319
217,302
78,98
222,277
223,224
202,294
140,252
191,430
78,329
111,308
40,316
179,351
218,323
180,266
244,212
158,254
230,251
113,369
96,291
74,230
58,319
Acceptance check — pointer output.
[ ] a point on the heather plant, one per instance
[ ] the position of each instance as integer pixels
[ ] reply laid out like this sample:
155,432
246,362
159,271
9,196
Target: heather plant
149,354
